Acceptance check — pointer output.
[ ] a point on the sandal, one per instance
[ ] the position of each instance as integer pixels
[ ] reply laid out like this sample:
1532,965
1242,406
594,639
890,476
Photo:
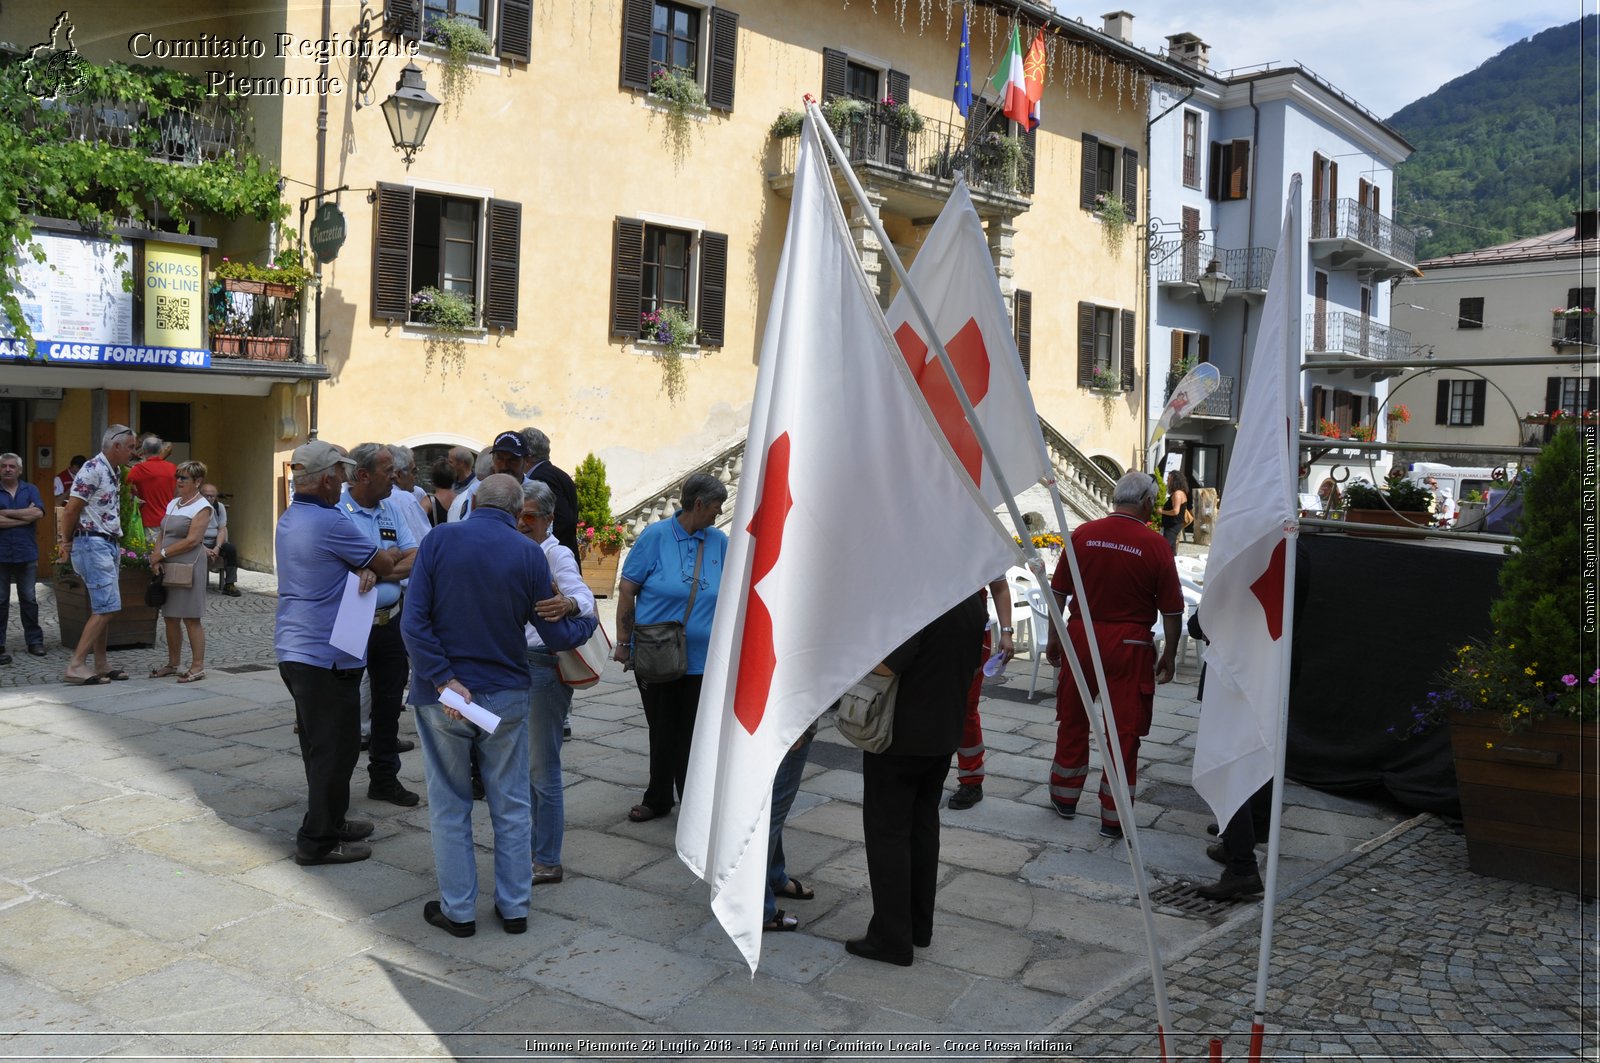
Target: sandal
782,923
642,814
164,671
116,674
82,680
192,676
795,890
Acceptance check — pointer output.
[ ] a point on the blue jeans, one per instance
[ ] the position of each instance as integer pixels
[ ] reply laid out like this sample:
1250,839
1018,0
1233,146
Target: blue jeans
785,785
552,699
447,746
25,574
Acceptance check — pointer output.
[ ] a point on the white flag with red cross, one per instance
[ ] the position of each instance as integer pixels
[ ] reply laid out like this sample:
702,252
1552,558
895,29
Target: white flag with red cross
955,279
855,526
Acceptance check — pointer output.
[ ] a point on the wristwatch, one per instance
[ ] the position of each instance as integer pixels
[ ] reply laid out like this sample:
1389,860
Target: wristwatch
1008,631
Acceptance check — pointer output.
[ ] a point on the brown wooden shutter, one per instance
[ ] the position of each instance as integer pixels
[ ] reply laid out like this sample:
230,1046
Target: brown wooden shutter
1214,179
391,252
627,271
722,59
1089,172
516,30
1024,329
899,89
1319,409
1130,183
1552,394
1441,409
404,17
1479,393
1333,194
1085,345
636,43
1205,349
505,255
835,74
1239,169
1127,351
1030,159
712,314
1177,347
1341,408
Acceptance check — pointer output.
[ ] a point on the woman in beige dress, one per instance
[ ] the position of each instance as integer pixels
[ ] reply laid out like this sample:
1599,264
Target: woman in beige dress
181,542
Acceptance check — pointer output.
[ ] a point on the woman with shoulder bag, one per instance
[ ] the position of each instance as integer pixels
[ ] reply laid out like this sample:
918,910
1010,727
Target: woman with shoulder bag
179,557
552,699
665,602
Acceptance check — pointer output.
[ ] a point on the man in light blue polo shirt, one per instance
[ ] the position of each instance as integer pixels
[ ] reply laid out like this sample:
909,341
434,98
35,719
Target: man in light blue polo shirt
366,501
318,547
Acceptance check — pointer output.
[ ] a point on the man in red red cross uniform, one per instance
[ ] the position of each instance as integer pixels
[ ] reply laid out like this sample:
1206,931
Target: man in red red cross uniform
969,755
1128,577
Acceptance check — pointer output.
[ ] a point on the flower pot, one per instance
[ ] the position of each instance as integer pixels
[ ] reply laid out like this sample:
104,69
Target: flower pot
236,284
1530,801
600,572
281,291
1469,516
134,625
223,346
269,348
1387,518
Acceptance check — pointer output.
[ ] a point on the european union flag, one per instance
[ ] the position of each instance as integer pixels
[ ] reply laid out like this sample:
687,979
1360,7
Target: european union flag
963,94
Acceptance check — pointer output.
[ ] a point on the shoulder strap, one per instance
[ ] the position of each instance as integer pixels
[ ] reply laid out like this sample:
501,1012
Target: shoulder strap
694,587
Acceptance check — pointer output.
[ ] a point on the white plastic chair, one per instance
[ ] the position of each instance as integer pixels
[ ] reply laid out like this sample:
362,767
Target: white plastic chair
1038,620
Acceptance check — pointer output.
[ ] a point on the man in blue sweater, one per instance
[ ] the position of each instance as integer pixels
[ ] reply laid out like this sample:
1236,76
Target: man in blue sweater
473,586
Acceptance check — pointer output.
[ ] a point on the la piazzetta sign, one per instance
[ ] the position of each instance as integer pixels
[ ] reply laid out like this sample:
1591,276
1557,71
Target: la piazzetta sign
327,232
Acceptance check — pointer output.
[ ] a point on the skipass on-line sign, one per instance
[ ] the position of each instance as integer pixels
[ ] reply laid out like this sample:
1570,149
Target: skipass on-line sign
109,354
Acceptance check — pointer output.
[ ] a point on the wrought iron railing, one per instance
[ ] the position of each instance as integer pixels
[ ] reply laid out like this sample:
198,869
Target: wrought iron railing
1572,330
1341,332
1346,219
1218,404
213,128
1185,261
991,160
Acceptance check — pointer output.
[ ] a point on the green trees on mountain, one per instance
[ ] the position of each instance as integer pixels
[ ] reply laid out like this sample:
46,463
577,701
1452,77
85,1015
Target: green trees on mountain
1506,151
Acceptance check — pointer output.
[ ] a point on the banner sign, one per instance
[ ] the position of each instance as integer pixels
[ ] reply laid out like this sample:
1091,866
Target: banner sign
108,354
76,294
174,296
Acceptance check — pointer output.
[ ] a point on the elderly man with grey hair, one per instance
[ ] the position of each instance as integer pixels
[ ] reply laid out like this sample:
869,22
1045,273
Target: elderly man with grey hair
91,535
1128,578
155,481
539,469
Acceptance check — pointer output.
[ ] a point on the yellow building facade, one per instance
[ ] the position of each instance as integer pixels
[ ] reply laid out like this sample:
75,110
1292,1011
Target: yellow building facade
565,199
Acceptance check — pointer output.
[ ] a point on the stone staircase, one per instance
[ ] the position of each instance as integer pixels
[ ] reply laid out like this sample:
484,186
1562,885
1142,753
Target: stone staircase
1085,487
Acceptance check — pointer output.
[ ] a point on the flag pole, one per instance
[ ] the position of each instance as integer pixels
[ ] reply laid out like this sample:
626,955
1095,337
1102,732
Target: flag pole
1291,385
1111,749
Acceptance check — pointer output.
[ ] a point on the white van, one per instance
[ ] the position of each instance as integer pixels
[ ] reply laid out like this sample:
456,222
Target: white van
1459,480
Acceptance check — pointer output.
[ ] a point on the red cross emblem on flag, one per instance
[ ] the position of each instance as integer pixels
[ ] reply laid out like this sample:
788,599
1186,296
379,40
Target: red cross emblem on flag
971,360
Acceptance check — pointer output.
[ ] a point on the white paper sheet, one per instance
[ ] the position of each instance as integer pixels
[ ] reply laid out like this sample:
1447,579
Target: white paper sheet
478,715
353,624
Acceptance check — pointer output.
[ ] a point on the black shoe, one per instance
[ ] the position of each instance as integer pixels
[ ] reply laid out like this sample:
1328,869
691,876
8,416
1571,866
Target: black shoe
353,830
434,914
1064,810
1230,886
864,948
1212,829
566,730
1108,831
405,745
922,941
343,853
512,926
392,792
1217,853
231,590
966,795
5,658
36,651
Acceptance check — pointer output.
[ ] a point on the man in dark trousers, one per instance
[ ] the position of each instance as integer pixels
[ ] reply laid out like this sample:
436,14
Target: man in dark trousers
565,528
902,785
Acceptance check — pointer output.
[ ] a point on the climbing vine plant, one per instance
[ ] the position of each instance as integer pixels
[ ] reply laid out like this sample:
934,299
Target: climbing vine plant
50,171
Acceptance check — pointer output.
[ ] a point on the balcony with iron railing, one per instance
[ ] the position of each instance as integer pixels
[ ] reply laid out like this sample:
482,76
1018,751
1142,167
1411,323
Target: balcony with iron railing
1181,263
1572,328
1340,335
195,132
1217,406
1347,235
924,161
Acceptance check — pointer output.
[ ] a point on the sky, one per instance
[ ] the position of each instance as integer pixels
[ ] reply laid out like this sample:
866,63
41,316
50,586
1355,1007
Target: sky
1383,53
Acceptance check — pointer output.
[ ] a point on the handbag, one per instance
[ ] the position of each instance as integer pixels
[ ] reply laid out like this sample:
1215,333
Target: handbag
155,593
866,712
661,651
582,666
177,573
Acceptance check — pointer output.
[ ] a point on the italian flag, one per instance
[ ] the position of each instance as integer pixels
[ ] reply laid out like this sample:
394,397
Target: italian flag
1011,83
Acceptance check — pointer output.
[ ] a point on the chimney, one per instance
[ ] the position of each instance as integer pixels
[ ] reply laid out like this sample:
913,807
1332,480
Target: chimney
1190,50
1586,228
1119,24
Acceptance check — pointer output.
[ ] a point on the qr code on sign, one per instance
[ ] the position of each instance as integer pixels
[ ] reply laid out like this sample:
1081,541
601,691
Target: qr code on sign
172,312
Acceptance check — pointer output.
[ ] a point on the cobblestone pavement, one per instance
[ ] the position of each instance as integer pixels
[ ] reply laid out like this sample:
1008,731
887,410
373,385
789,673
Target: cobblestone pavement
149,904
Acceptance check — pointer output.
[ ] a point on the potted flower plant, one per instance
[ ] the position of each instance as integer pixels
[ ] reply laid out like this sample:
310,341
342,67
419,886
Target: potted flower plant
899,116
450,316
461,38
602,547
1105,379
1113,215
1400,503
670,328
135,623
684,100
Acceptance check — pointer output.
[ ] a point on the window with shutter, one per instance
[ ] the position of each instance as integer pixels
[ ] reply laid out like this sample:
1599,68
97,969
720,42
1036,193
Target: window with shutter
722,59
675,37
1130,183
1179,346
835,74
424,239
1086,317
1089,175
896,140
1191,149
1579,328
1239,169
391,252
1024,329
1470,313
1030,154
515,29
505,251
464,10
1129,354
636,19
711,319
627,263
403,17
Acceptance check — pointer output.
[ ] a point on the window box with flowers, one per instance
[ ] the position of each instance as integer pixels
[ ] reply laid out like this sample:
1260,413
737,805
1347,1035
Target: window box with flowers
449,318
254,311
671,333
1114,217
677,90
1572,326
1106,379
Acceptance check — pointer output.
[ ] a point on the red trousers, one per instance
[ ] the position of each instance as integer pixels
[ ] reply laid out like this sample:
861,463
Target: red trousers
1129,657
969,756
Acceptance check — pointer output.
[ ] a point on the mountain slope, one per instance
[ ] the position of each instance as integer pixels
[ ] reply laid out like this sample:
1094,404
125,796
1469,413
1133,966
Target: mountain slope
1506,151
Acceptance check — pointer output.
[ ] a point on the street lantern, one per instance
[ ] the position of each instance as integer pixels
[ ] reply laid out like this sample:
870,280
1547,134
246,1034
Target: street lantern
1213,283
409,112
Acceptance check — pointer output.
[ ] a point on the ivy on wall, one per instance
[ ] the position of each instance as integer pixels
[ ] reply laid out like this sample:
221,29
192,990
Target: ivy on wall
61,164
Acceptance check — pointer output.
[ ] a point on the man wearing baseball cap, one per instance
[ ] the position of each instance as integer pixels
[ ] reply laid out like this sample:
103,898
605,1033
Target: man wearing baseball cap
507,453
318,546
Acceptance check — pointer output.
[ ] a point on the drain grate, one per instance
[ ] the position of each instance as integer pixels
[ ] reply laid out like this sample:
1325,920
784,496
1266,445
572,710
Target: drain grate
240,669
1182,898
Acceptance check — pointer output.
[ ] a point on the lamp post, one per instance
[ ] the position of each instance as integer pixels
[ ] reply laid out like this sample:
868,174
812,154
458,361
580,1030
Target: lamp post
1213,284
409,112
